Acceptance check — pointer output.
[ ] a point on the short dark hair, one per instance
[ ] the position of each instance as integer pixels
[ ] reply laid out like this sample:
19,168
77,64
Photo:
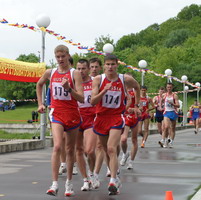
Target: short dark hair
143,87
111,57
71,60
93,60
162,88
84,61
170,84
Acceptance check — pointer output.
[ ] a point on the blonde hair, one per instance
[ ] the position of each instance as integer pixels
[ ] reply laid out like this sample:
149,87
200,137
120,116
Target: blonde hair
61,48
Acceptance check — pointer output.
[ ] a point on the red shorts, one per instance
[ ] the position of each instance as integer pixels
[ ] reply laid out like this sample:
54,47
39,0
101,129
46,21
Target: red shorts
68,119
144,116
131,120
103,123
88,121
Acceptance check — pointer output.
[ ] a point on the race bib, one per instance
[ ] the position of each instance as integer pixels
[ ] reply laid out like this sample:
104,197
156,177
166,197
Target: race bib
87,100
59,92
112,99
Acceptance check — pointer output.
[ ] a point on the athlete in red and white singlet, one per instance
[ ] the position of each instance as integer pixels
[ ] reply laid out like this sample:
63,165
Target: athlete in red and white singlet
66,90
108,94
86,139
145,101
157,100
61,98
131,123
87,111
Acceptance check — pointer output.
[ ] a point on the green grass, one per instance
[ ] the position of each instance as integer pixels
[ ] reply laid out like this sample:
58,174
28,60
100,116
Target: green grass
10,136
18,116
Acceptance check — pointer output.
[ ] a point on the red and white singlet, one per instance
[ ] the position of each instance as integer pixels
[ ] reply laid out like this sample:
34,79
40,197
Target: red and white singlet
61,99
113,101
86,108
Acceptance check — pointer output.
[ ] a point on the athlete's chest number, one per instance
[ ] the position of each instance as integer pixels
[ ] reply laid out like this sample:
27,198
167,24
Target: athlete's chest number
60,92
112,99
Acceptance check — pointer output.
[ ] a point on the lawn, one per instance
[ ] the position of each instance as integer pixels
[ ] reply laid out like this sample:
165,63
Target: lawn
20,115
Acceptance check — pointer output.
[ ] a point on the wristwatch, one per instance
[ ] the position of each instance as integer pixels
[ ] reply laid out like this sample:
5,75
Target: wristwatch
137,105
69,90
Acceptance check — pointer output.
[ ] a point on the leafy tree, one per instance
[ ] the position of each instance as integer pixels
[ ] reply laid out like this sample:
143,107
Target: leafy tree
99,42
189,12
177,37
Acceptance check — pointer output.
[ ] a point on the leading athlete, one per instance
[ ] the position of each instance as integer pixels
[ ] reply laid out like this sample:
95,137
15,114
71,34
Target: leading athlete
109,94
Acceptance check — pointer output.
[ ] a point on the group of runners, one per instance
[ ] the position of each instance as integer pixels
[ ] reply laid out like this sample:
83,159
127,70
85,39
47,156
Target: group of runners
92,114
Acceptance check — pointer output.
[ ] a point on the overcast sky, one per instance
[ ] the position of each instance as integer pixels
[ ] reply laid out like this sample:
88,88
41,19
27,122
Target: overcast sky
79,20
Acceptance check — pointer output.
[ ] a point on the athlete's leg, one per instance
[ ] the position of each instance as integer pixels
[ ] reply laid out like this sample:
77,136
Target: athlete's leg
124,138
80,154
89,147
165,132
113,142
100,154
57,131
134,147
140,132
146,130
70,150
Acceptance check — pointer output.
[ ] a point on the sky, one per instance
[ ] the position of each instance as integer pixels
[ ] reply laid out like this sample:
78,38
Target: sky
81,21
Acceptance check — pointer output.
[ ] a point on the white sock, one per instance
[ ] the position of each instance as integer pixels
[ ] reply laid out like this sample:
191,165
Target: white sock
55,183
63,164
96,175
112,180
68,181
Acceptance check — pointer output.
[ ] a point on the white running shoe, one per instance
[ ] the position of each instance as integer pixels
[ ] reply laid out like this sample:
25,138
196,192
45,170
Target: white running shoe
130,165
87,186
113,188
75,172
62,169
165,145
96,183
52,190
69,189
124,159
170,145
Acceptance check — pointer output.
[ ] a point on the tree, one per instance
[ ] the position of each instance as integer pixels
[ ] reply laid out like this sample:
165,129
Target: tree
99,42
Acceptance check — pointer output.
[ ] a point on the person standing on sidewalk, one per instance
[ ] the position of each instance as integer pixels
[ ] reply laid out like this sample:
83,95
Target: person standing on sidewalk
66,89
171,102
109,94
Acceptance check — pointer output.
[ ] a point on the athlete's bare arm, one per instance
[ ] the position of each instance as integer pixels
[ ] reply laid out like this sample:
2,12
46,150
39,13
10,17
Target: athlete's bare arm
78,92
132,83
39,88
96,96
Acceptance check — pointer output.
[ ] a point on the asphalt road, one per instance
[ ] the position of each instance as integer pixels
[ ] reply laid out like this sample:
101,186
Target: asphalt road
27,175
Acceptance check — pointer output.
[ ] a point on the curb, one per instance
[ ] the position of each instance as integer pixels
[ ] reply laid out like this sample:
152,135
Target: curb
197,195
21,145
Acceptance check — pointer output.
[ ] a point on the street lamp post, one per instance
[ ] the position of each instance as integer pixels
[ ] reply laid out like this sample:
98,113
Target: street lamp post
184,79
43,20
186,88
168,73
142,64
198,90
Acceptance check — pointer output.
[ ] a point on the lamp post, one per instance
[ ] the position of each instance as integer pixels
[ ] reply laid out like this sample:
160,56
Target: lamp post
168,73
43,20
186,88
142,64
184,79
198,90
